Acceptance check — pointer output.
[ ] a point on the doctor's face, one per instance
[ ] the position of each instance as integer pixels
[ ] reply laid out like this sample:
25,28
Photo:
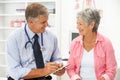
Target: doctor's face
39,25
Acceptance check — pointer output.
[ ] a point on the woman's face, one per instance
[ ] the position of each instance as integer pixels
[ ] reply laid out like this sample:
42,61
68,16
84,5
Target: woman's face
83,27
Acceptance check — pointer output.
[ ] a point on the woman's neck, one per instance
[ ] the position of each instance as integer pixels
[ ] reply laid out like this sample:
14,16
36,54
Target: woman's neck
91,37
89,41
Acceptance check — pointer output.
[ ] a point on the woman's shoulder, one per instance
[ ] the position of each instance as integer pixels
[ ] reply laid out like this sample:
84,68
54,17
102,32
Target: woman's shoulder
77,39
104,40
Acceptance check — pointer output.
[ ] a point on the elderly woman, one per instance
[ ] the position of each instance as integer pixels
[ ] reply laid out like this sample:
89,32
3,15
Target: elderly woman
91,54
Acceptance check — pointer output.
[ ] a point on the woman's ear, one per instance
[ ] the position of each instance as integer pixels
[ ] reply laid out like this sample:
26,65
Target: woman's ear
92,24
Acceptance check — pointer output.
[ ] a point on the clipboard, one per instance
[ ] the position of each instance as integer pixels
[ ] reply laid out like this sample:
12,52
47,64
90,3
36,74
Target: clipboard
64,66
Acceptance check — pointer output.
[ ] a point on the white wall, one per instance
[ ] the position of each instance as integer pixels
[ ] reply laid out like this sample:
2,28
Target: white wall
110,23
67,21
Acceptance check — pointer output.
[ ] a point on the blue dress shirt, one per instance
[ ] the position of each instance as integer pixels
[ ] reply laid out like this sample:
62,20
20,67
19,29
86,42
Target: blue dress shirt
20,60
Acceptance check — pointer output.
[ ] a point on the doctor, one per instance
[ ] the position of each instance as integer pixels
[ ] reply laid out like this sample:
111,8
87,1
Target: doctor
20,53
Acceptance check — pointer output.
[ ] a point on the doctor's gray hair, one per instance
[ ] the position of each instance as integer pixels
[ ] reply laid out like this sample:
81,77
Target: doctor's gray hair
34,10
89,15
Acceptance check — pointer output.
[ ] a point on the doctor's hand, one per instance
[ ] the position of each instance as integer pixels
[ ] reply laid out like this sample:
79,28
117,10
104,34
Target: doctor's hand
51,67
102,78
61,71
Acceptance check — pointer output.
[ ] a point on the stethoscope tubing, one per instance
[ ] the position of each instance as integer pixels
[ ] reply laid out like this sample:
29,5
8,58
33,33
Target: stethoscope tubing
29,41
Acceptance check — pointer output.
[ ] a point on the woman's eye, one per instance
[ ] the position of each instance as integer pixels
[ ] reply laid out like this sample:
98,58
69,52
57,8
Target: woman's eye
79,24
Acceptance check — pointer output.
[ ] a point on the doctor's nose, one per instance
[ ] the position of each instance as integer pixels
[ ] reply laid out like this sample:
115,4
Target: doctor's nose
46,24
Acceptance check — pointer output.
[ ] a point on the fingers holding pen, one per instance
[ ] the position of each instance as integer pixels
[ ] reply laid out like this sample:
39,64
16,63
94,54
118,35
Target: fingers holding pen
51,67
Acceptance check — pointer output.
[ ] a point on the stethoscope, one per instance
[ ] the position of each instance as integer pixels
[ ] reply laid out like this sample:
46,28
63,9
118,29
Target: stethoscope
29,41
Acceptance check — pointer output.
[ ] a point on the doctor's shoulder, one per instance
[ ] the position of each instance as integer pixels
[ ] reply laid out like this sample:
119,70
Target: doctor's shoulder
15,33
50,34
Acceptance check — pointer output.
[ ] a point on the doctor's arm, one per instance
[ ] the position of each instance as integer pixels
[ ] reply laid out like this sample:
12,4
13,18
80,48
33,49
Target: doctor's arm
56,57
49,68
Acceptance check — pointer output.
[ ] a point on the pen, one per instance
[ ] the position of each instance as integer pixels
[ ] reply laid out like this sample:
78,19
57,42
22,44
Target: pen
47,61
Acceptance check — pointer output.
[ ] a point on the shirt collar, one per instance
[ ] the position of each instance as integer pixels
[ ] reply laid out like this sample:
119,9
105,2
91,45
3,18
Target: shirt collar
30,33
99,37
80,38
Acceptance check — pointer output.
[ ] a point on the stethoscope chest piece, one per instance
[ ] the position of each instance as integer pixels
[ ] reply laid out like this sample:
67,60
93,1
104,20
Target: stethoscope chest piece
43,48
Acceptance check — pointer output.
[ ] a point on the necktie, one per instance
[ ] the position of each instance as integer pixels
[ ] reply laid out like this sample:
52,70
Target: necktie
38,58
37,52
